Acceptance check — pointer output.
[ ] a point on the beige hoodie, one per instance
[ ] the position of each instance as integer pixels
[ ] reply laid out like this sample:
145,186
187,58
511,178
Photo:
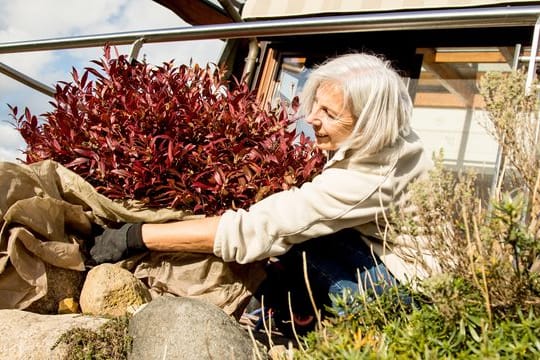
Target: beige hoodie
352,191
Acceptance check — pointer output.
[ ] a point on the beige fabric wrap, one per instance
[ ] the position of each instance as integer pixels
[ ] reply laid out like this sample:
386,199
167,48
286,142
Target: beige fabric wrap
46,213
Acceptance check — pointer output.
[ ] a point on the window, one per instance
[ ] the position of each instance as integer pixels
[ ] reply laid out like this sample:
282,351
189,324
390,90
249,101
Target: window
448,109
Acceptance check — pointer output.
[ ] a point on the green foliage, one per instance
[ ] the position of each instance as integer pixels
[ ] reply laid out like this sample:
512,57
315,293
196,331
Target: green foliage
110,342
508,213
447,320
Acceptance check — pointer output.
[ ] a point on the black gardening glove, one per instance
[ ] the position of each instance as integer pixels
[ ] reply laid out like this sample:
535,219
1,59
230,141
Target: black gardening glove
116,244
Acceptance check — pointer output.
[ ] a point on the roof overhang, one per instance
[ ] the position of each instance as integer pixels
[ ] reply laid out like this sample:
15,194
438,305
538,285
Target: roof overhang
278,9
197,12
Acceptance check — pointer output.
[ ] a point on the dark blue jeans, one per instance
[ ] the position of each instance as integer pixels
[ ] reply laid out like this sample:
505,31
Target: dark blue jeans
336,263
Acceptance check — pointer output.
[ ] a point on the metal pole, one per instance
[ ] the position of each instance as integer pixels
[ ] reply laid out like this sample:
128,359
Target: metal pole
253,53
409,20
534,52
34,84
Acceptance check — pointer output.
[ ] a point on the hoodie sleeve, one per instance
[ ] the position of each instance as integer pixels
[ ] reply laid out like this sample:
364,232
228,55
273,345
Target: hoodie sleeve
334,200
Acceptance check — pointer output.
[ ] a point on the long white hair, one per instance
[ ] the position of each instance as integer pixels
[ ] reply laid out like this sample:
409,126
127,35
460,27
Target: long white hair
375,94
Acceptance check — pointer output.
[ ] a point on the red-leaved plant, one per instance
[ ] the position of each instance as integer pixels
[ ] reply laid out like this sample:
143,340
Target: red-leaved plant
168,136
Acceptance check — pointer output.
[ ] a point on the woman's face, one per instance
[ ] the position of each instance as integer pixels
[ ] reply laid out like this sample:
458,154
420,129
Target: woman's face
330,117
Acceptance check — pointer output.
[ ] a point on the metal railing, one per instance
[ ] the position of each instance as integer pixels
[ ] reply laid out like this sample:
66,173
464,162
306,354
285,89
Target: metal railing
419,20
26,80
407,20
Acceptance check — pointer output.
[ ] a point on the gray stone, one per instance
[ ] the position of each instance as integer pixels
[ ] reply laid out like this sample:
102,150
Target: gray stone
110,290
279,352
30,336
184,328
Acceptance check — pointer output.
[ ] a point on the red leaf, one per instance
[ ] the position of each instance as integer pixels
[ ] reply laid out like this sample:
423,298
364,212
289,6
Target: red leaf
78,161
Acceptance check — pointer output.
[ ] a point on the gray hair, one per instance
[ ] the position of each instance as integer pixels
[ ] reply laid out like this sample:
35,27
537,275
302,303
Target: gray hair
375,94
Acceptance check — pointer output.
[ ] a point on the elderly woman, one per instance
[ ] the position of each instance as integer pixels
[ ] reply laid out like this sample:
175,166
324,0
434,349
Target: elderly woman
360,111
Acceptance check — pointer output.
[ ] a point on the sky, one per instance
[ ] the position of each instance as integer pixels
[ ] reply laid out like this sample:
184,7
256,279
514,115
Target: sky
44,19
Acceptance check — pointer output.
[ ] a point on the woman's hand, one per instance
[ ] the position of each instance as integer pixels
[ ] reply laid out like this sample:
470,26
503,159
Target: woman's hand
116,244
196,235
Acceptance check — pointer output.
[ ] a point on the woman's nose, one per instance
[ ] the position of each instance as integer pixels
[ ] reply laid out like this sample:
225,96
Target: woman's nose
313,117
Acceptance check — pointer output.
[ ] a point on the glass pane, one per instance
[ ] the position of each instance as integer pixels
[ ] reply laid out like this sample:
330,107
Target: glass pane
292,76
449,111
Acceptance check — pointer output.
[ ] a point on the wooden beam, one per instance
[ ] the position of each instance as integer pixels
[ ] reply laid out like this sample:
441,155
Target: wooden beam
440,100
267,83
508,54
462,88
427,78
423,83
469,57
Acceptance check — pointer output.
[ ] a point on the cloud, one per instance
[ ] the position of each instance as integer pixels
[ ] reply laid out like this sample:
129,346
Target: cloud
11,143
42,19
24,20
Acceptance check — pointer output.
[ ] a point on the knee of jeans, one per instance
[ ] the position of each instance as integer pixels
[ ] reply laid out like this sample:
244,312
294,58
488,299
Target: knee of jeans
340,286
377,276
341,293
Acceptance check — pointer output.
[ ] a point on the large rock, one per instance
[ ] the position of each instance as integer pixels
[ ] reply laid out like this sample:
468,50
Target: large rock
30,336
110,290
184,328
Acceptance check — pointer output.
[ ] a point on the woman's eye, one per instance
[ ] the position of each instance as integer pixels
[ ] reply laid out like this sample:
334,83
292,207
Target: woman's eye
330,116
